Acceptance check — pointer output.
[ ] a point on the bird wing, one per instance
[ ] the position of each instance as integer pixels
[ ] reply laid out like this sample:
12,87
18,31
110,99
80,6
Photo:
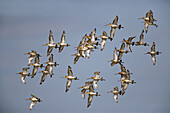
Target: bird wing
49,50
104,33
76,59
153,47
128,46
115,54
122,46
146,25
116,88
83,93
141,37
43,78
68,84
51,58
63,37
91,89
25,69
35,69
112,32
103,42
123,69
95,83
97,74
130,39
115,20
61,48
70,73
120,56
33,96
32,104
154,59
23,79
30,59
50,68
37,59
89,100
115,96
51,39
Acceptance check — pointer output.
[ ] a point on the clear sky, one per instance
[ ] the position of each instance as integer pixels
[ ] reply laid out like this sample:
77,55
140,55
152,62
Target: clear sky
25,25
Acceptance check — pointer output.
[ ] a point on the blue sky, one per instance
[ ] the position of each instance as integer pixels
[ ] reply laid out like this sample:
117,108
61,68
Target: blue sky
25,25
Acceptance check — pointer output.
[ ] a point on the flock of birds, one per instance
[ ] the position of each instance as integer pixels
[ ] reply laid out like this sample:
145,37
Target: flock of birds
86,45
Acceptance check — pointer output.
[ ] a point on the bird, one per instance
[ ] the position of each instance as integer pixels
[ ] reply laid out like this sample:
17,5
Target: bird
24,73
122,73
115,92
122,50
115,58
90,48
113,27
51,43
92,38
149,20
45,73
34,100
31,57
91,93
153,53
129,43
51,64
36,64
62,43
104,38
69,78
96,78
86,87
126,81
141,40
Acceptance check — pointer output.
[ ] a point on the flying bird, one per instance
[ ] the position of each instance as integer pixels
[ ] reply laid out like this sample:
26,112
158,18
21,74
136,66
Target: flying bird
129,43
96,78
115,92
141,40
62,42
34,99
153,53
115,58
104,38
51,64
31,57
51,43
86,87
45,73
23,74
113,27
69,78
91,93
36,64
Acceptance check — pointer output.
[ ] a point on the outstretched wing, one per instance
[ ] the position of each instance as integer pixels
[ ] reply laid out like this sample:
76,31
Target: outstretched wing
115,20
141,36
89,100
115,96
51,39
70,73
49,50
83,93
63,37
32,104
23,79
153,47
68,84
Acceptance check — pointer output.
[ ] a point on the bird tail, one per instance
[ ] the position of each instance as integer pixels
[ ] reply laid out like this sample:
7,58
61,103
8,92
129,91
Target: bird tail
133,82
120,26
